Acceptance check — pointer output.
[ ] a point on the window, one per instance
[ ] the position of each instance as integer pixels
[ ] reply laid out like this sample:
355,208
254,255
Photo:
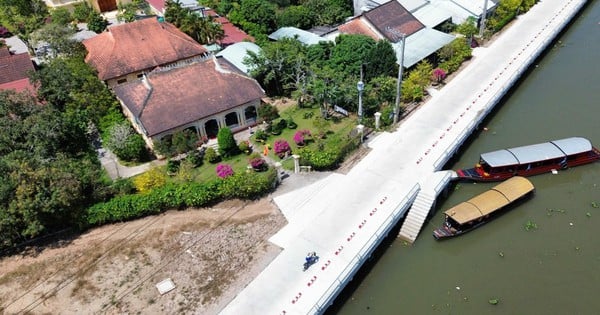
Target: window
121,81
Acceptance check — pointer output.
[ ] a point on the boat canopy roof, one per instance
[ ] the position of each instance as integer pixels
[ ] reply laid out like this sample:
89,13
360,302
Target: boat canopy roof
491,200
537,152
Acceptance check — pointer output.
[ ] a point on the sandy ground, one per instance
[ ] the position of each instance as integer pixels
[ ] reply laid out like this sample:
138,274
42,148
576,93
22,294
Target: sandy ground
210,254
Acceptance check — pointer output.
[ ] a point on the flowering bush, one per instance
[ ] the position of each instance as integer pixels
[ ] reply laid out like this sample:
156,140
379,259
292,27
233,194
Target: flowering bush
281,147
300,135
244,146
258,164
439,75
224,170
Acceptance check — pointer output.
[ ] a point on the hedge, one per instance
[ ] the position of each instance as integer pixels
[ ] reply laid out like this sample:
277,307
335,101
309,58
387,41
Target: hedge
178,196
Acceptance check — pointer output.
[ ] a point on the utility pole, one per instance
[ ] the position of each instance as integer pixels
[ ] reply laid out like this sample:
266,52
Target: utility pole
483,15
399,82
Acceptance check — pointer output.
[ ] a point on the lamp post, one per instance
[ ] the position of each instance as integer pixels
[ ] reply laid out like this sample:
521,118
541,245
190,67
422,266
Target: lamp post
360,86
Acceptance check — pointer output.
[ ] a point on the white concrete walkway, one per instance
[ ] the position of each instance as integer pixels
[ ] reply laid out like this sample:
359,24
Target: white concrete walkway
344,217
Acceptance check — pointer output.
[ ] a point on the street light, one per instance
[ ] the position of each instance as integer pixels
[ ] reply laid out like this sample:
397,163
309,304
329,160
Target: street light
361,87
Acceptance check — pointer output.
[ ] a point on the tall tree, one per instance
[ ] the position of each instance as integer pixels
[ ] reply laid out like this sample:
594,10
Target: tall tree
22,17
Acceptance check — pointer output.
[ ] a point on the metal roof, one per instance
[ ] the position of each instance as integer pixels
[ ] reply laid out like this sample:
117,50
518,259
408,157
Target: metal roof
537,152
236,53
573,145
431,16
303,36
421,44
496,198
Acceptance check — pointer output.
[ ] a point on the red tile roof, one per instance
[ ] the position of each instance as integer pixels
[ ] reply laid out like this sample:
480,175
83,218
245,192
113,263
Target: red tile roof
391,19
14,71
357,26
139,45
183,95
232,33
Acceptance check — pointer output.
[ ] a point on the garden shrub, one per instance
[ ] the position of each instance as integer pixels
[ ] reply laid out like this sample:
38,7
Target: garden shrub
224,170
173,166
244,185
281,148
258,164
211,156
300,136
245,147
149,180
268,112
260,135
227,145
195,158
282,124
291,124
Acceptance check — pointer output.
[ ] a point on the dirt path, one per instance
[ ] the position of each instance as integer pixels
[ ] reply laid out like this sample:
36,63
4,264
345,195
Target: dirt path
210,254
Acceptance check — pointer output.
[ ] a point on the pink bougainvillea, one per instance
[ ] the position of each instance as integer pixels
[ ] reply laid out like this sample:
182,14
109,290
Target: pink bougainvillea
439,75
300,136
224,170
281,147
258,164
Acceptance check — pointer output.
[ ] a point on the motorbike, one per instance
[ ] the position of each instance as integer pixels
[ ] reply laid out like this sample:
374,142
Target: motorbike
311,259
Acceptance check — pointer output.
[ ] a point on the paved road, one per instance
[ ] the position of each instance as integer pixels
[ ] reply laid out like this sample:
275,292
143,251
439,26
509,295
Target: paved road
340,216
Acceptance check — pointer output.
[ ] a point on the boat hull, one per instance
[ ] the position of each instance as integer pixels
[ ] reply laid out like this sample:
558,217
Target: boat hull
478,174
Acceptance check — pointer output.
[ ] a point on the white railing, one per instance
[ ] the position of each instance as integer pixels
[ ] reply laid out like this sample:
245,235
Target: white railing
365,252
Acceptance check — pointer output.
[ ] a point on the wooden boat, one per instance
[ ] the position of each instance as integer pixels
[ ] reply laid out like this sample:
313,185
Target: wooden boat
483,208
532,159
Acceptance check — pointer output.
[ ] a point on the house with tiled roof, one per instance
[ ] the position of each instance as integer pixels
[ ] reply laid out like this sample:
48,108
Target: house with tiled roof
391,21
14,71
202,97
126,51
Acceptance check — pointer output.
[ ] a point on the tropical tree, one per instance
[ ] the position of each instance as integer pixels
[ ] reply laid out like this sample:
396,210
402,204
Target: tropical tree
227,144
22,17
127,12
96,22
468,28
297,16
61,16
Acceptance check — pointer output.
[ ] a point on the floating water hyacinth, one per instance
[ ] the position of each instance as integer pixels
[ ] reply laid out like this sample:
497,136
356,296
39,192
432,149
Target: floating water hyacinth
493,301
530,225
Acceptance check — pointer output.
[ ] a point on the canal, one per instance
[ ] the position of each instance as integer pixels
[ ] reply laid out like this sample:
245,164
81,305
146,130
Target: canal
542,257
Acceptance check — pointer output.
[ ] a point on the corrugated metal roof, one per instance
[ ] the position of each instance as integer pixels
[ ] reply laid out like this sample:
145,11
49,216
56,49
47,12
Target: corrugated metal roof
303,36
431,16
236,53
537,152
421,44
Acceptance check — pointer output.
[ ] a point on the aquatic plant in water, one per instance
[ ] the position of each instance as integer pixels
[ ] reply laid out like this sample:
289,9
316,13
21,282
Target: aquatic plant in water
530,225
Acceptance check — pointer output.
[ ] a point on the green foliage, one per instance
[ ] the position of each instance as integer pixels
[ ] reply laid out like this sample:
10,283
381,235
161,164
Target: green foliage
61,16
128,11
329,12
452,55
58,39
22,17
173,166
126,143
48,170
227,145
296,16
82,11
350,52
268,112
245,147
211,156
291,124
260,135
468,28
202,29
244,185
96,22
195,158
385,61
255,12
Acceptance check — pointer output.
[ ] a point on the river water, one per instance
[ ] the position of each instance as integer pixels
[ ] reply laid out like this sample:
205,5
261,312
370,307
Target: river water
553,269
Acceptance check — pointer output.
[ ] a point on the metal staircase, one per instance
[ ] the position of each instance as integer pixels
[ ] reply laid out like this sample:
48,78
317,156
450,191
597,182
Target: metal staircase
416,216
433,186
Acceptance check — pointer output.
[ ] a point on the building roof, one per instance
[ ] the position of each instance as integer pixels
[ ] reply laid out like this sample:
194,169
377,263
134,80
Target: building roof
166,100
422,44
236,53
391,19
431,16
358,26
14,71
232,33
139,45
303,36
